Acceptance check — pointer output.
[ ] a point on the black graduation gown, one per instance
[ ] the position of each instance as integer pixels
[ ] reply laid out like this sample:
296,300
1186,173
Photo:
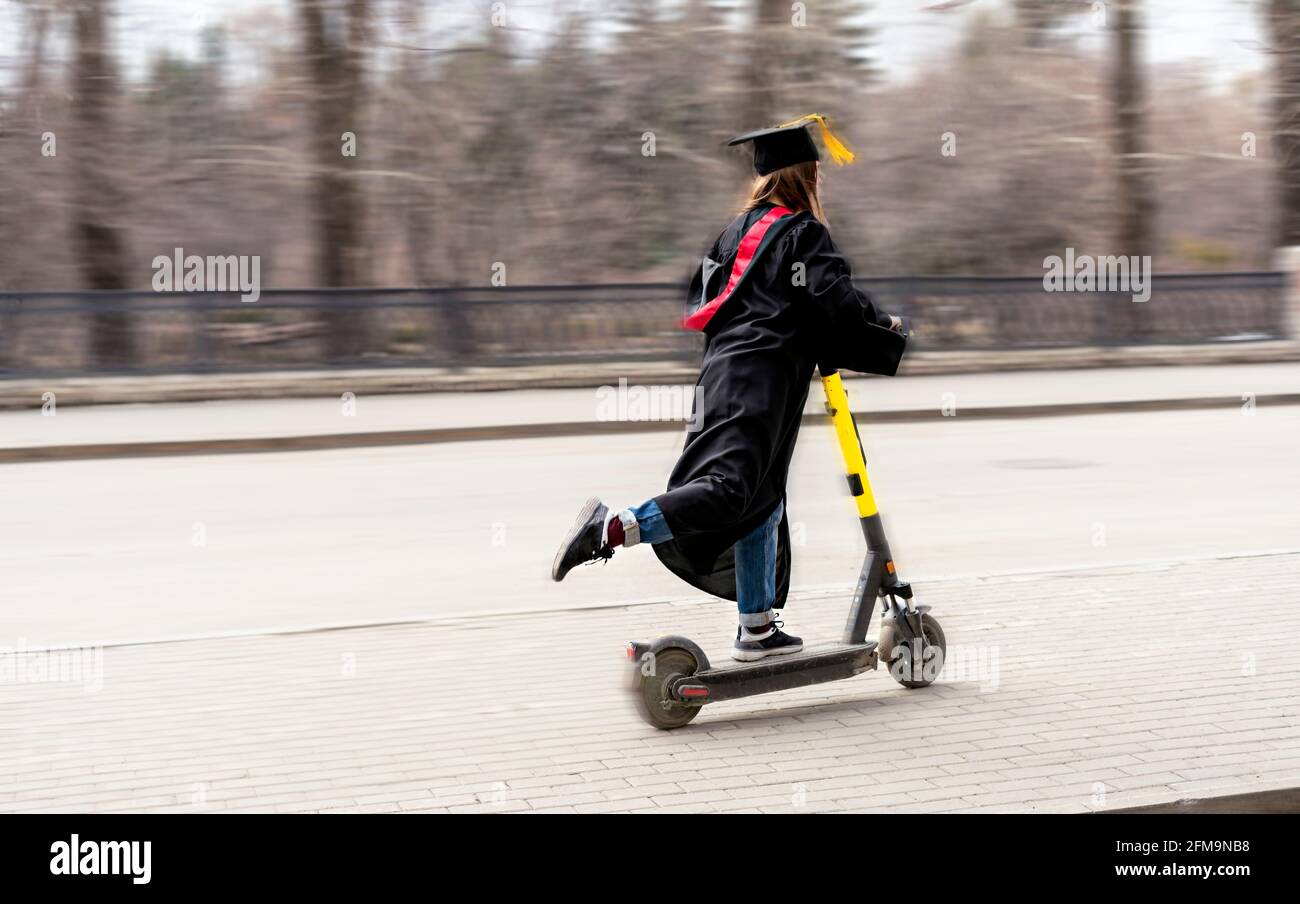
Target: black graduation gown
762,346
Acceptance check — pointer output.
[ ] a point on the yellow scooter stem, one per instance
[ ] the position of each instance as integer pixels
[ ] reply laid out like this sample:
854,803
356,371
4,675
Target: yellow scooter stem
846,432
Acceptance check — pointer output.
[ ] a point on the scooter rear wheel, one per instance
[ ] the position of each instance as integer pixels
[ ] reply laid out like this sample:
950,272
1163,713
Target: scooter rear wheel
653,693
912,672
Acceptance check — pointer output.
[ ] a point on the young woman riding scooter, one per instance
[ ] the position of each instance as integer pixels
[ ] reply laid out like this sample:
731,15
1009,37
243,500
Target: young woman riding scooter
774,298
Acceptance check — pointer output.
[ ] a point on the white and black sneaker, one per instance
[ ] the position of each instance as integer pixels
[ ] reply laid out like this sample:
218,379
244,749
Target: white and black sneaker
767,640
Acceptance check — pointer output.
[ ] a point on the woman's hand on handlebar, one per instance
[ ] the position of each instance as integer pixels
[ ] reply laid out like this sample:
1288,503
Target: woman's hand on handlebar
895,323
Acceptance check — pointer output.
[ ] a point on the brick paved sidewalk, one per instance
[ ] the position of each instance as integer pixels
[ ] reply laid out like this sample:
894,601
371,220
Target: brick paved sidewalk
1064,692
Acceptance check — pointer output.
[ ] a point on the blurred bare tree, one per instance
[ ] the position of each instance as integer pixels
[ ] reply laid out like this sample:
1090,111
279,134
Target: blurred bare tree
101,246
1136,201
19,197
1284,29
771,23
812,57
334,34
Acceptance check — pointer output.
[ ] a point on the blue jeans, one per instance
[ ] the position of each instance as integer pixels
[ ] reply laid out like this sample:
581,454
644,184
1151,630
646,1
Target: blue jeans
755,556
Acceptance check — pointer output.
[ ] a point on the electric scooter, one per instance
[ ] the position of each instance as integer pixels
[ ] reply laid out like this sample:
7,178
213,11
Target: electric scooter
671,678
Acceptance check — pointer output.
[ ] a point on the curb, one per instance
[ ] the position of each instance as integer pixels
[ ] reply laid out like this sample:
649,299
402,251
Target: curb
434,435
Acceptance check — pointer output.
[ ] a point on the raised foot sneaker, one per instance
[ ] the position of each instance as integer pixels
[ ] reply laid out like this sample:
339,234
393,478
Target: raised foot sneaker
757,643
585,541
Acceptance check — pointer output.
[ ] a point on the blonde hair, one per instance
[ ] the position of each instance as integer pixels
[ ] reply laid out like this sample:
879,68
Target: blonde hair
794,187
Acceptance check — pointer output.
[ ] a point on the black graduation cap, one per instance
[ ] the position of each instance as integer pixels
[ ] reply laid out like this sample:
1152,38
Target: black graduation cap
790,143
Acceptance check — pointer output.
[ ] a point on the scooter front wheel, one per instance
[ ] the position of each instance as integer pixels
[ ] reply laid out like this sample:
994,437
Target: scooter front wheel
652,691
912,667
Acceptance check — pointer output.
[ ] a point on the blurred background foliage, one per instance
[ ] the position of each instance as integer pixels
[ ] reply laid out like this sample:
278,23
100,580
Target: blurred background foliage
492,142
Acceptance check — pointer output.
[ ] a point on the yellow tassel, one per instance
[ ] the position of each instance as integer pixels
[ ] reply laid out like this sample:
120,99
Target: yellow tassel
837,149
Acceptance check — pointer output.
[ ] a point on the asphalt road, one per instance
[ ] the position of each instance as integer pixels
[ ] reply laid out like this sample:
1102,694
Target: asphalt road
117,550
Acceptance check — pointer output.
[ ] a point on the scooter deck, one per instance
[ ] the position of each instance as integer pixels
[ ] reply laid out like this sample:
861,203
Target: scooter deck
730,679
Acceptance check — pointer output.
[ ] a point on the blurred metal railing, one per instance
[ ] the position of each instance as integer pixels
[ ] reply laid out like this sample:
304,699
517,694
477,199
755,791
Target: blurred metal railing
49,333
